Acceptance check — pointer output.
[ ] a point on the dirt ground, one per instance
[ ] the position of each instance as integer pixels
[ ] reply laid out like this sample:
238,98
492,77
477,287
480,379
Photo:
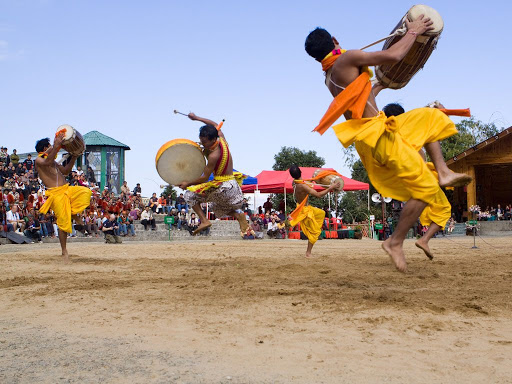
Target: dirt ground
256,312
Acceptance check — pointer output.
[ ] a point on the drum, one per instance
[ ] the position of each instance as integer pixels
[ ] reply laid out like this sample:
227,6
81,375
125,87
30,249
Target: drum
73,142
179,161
396,76
328,180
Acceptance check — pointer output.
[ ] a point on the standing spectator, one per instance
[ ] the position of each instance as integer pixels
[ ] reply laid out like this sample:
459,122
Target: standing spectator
109,228
4,223
137,190
147,219
4,157
267,206
90,175
181,203
29,163
125,189
281,205
15,159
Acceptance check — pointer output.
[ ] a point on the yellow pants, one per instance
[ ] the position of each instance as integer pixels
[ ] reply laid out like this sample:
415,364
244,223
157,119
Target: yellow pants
311,220
394,165
66,201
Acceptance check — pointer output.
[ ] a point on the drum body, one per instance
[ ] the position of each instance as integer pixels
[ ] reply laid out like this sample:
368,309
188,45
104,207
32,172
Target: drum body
73,141
179,161
396,76
329,179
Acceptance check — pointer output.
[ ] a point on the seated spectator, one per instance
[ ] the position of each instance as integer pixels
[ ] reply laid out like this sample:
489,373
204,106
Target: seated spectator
33,229
182,219
249,234
147,219
256,228
451,225
4,224
174,215
14,218
137,190
272,228
153,202
193,223
46,225
135,214
281,216
281,229
162,203
109,228
181,203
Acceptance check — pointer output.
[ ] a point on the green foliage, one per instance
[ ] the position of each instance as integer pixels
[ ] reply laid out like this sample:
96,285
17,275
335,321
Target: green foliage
471,132
288,156
169,191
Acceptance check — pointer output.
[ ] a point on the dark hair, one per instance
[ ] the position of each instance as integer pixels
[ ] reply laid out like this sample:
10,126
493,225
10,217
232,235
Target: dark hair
295,171
208,131
393,109
319,43
42,144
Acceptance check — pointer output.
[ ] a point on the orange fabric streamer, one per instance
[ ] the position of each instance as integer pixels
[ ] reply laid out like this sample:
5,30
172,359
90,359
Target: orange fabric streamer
60,132
353,98
297,210
456,112
322,175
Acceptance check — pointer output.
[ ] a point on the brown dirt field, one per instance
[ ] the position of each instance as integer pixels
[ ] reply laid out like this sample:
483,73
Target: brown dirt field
256,312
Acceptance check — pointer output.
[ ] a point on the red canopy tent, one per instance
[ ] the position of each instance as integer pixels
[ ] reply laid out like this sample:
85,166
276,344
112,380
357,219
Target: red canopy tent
281,182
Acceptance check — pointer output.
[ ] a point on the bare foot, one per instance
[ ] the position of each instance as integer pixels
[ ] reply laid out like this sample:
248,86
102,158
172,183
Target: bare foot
453,179
308,255
65,257
397,255
424,246
202,227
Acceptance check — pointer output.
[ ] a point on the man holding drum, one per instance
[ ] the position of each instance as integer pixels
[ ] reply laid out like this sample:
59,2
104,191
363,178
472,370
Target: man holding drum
64,200
388,147
224,190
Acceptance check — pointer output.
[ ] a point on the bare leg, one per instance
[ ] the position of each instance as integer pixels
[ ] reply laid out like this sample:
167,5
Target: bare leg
310,248
423,242
394,245
205,223
242,220
447,178
62,239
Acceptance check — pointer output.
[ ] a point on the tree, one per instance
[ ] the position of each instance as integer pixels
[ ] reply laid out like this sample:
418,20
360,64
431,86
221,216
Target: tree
284,159
169,193
288,156
471,132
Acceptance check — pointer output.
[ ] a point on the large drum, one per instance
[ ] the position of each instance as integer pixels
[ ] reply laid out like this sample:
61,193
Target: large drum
328,180
179,161
73,142
396,76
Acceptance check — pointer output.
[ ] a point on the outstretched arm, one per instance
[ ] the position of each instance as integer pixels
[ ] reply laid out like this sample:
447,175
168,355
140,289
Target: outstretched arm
69,166
315,193
397,51
193,116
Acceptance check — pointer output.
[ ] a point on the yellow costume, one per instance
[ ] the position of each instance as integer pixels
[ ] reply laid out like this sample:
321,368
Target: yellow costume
389,147
66,201
311,220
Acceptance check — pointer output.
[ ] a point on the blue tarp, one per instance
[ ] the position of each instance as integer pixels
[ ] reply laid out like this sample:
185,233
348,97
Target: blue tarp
248,181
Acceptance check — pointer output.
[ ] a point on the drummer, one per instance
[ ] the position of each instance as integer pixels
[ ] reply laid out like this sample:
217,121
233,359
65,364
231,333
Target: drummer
224,190
311,219
388,147
65,201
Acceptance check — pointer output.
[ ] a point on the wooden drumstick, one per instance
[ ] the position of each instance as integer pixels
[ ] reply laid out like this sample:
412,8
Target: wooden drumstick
184,114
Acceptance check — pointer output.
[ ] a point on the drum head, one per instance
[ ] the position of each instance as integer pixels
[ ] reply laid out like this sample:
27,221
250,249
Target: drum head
69,132
179,161
418,10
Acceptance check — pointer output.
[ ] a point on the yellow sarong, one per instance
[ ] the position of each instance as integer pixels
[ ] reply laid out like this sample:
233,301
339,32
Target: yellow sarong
389,147
311,220
66,201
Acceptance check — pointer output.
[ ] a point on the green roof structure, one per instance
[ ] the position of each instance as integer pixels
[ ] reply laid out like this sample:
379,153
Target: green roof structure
98,138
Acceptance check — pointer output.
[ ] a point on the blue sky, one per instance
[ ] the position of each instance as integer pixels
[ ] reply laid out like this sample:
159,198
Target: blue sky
121,67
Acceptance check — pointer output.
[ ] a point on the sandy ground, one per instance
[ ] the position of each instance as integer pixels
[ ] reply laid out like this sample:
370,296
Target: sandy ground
256,312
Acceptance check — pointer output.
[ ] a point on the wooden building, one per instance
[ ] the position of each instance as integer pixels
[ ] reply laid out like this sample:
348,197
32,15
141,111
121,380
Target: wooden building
490,165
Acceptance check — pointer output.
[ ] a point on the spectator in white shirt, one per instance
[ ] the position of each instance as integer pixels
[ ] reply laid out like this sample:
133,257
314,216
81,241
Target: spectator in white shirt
147,219
13,218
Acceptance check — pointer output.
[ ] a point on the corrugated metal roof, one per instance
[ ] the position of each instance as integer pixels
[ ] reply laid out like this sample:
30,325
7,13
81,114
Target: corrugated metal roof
98,138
